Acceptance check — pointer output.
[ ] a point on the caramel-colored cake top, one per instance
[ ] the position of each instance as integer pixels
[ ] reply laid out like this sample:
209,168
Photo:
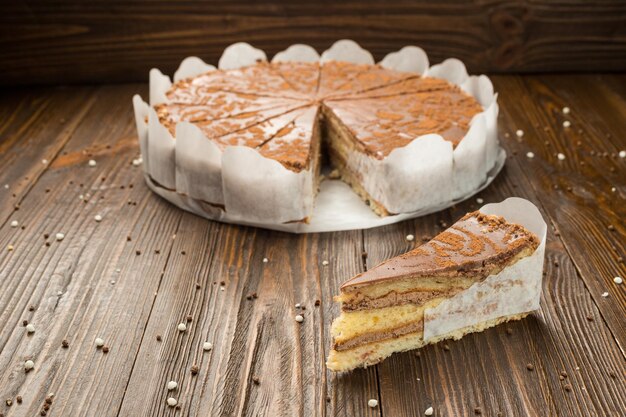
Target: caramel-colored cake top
471,247
257,106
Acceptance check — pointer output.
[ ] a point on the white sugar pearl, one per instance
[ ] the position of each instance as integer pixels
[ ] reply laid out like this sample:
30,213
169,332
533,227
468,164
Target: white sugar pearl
605,294
172,385
30,328
10,248
92,163
172,402
530,155
137,162
567,123
429,411
622,154
59,236
299,318
182,327
372,403
15,223
324,263
97,218
565,110
44,161
480,200
613,189
265,260
207,346
560,156
519,133
410,238
99,342
297,305
28,365
618,280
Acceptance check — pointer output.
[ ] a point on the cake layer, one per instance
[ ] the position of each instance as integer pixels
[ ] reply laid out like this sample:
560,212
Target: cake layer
372,353
474,246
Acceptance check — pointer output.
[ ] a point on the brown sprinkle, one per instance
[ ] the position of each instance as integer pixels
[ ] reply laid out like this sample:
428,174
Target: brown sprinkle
256,380
157,251
509,330
158,338
24,323
198,286
31,308
65,344
317,303
446,347
128,238
530,366
194,369
589,318
183,252
42,412
478,411
189,318
611,227
138,252
46,407
9,402
105,349
18,399
567,387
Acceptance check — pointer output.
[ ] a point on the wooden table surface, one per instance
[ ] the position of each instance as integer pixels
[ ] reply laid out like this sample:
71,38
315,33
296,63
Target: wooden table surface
148,266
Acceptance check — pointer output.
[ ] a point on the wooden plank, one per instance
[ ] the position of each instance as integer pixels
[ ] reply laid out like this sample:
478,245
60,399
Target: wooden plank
577,192
33,129
254,339
100,41
89,285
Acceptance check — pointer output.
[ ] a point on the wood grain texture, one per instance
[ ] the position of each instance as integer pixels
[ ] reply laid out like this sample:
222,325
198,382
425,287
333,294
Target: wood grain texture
103,41
97,283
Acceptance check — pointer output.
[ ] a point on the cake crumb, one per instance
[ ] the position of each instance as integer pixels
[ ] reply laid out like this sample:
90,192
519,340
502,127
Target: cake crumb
373,403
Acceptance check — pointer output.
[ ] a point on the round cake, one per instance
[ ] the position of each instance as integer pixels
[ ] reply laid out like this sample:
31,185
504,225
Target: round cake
249,141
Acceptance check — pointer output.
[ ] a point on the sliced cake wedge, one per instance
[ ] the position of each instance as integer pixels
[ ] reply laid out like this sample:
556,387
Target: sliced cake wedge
484,270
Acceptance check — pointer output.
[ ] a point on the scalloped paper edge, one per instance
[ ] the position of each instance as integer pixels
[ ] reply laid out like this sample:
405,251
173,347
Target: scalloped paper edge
172,172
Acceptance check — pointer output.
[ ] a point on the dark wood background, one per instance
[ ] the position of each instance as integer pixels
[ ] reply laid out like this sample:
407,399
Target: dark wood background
74,41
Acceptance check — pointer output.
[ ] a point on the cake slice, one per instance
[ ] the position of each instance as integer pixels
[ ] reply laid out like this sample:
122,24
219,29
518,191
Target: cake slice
362,132
481,271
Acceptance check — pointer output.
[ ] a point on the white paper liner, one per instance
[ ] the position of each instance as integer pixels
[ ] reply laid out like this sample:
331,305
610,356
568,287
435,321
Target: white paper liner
420,178
515,290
